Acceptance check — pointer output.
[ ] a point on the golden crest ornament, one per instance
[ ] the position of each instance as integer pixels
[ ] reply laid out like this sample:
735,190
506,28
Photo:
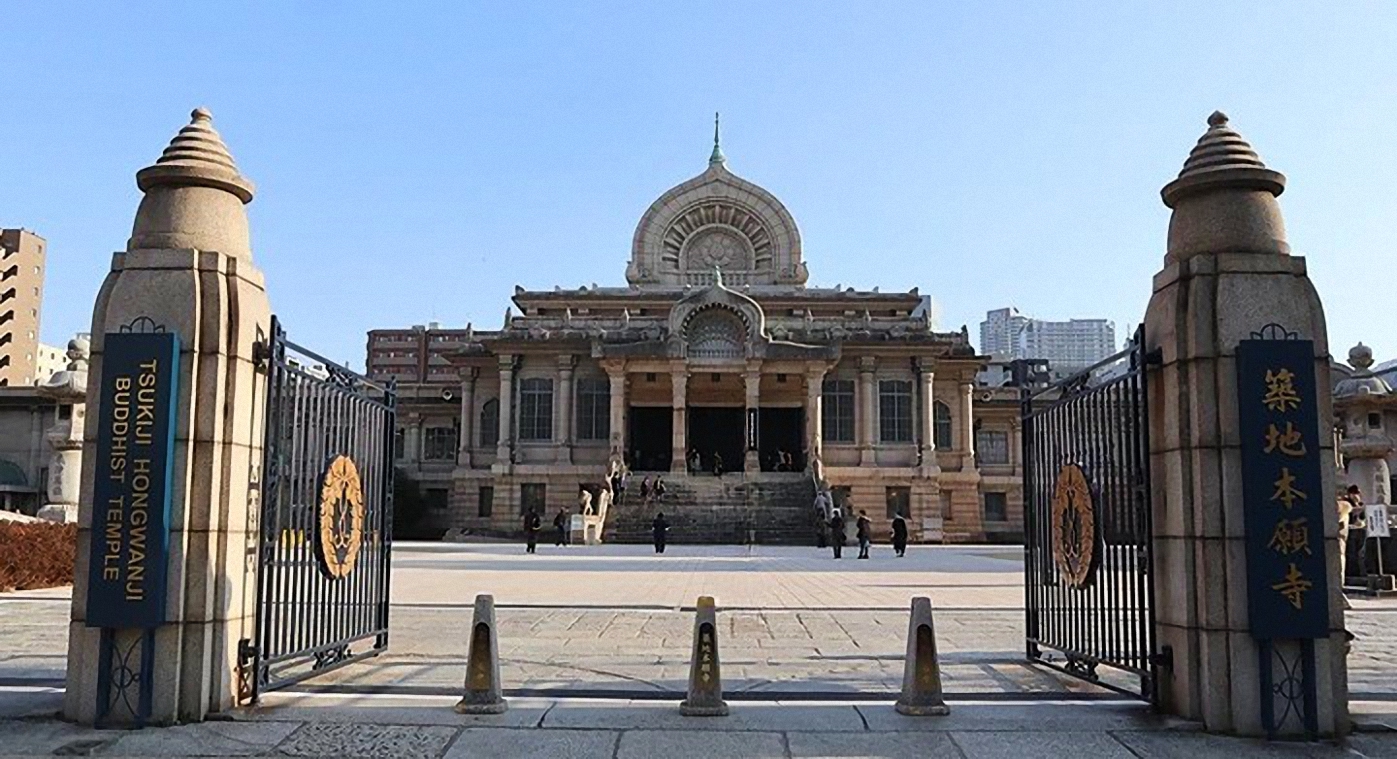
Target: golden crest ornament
341,517
1074,533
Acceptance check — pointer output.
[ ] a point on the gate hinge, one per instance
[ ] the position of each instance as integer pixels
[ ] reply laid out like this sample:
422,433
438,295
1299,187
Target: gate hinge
1154,357
247,671
1164,659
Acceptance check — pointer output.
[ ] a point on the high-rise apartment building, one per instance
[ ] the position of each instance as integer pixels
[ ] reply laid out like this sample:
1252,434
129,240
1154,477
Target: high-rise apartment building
1068,346
21,296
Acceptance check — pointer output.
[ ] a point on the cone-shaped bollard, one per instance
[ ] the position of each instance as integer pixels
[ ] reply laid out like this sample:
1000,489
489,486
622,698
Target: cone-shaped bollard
921,674
705,697
483,692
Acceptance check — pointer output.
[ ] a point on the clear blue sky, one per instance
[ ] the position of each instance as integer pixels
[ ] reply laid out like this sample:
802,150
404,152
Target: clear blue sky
414,162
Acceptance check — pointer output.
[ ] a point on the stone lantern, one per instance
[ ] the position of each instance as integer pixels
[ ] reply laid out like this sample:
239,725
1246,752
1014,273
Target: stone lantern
1364,405
69,388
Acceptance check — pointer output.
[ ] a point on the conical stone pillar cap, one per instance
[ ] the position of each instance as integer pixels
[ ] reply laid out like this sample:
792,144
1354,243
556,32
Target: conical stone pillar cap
1222,159
197,157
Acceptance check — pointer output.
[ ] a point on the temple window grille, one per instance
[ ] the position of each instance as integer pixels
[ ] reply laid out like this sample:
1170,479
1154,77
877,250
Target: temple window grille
899,500
895,411
837,411
593,409
533,496
399,443
941,425
439,444
992,447
490,423
996,507
536,409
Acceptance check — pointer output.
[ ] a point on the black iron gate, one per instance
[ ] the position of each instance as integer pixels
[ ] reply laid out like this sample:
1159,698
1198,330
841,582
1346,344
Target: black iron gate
326,520
1089,584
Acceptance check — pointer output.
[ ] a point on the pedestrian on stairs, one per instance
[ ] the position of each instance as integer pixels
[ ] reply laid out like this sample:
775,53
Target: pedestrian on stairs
645,490
659,488
836,533
865,534
660,527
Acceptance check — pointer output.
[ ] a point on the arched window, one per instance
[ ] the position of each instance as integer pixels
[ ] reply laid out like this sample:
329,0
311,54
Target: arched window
716,333
490,423
941,423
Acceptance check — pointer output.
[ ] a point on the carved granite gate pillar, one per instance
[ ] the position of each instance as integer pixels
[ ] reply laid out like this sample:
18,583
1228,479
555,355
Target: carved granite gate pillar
1229,278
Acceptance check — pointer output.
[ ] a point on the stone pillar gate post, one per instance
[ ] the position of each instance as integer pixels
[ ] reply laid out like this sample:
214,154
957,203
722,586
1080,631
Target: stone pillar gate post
1227,278
187,270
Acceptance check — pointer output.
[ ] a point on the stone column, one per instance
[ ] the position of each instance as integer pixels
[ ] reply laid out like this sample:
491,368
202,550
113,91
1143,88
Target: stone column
967,425
467,438
412,439
506,442
752,383
868,411
563,392
679,380
187,269
1016,446
928,419
617,377
1228,274
814,415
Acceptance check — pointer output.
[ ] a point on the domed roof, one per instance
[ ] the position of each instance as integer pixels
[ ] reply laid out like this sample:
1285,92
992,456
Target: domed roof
1362,382
716,220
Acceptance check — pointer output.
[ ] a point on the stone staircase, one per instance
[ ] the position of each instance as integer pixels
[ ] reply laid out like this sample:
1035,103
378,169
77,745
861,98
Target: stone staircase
767,509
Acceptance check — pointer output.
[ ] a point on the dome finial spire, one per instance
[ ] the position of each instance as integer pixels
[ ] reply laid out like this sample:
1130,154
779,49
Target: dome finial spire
717,157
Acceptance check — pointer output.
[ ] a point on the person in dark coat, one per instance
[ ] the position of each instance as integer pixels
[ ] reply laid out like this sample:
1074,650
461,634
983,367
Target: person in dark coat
659,527
560,528
865,534
899,535
532,524
836,534
645,490
659,488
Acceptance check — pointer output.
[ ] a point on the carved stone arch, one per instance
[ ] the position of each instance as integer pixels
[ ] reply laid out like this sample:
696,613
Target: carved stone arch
713,205
718,299
718,332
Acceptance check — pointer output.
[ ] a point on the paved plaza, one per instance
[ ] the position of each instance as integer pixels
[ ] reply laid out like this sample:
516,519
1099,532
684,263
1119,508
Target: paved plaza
595,641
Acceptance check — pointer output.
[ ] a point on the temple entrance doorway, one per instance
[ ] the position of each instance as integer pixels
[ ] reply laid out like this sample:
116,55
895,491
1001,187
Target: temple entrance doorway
651,436
781,431
716,432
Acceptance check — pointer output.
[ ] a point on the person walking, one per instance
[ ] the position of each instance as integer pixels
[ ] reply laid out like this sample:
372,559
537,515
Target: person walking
659,491
899,535
659,528
532,524
836,533
645,490
865,534
560,527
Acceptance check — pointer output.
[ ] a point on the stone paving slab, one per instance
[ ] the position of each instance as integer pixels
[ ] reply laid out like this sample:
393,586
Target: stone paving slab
497,743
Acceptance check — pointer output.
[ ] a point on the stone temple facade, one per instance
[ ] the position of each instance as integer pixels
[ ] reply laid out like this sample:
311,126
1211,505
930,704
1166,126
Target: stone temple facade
715,356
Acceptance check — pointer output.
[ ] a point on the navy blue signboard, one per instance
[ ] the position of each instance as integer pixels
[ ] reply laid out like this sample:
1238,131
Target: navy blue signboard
132,490
1284,499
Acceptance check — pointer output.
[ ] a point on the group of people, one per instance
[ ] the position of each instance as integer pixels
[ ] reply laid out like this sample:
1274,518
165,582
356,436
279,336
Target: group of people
833,533
533,525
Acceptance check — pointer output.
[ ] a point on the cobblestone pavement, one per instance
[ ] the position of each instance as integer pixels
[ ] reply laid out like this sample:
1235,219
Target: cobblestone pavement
612,619
427,728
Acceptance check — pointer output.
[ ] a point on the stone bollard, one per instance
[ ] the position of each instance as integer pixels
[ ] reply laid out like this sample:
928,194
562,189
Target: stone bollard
483,692
921,674
705,697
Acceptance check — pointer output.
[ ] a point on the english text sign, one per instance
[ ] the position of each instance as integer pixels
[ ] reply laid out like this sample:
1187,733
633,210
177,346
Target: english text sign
1284,498
132,490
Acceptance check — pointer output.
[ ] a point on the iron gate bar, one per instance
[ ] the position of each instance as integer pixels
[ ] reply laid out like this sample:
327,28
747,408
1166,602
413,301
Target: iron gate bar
1096,419
308,621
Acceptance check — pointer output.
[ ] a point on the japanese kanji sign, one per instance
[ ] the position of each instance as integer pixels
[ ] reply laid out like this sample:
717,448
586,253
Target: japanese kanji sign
1284,499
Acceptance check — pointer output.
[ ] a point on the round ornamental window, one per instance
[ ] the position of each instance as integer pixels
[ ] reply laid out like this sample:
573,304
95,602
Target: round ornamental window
716,333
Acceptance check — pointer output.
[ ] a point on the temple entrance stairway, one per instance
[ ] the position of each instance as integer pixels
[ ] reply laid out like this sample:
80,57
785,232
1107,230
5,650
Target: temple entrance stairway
767,508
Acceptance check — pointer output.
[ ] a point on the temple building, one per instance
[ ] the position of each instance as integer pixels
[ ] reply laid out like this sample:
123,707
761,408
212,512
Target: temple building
718,367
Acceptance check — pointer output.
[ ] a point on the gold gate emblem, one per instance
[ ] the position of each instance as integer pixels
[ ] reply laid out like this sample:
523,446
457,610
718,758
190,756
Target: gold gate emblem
341,517
1074,526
